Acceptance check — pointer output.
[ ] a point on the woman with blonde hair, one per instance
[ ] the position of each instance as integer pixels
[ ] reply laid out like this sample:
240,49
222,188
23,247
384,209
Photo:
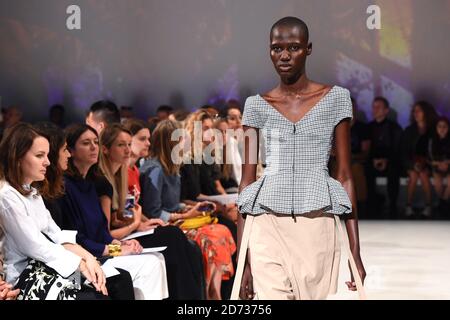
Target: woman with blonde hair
200,176
160,196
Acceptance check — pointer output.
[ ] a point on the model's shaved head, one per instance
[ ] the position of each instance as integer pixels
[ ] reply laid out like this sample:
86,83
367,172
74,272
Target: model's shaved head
291,22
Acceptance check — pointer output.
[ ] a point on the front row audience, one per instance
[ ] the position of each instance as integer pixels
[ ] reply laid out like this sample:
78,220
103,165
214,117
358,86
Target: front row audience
34,246
86,190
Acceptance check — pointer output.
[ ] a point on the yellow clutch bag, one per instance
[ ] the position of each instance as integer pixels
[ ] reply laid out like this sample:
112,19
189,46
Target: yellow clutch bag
197,222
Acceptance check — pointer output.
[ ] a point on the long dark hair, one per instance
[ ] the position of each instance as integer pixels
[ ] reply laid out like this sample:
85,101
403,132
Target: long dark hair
15,144
55,187
429,113
438,145
447,122
73,133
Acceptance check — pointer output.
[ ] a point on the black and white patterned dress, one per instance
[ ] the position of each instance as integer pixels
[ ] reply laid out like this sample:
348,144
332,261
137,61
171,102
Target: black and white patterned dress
39,282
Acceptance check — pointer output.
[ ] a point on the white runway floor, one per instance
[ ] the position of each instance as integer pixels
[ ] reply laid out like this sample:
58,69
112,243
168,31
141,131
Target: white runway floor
403,259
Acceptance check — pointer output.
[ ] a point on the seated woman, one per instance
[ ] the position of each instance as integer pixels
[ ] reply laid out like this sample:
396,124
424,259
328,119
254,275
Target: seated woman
160,198
414,150
439,158
200,180
120,286
81,206
112,187
29,230
230,161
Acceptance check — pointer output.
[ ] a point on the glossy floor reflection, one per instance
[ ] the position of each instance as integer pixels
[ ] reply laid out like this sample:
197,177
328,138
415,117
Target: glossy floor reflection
403,260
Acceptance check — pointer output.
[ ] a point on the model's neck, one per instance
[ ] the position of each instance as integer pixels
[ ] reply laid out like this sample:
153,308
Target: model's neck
295,85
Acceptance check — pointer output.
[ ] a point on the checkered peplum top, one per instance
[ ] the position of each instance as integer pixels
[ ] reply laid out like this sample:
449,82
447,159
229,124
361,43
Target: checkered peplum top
296,178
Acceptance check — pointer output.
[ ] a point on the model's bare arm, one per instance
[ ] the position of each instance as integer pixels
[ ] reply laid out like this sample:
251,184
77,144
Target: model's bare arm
248,176
248,169
344,176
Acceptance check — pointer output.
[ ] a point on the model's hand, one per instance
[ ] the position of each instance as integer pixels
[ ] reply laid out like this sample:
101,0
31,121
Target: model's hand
246,291
362,273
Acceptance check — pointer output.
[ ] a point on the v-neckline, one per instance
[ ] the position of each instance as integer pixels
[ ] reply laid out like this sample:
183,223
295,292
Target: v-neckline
305,115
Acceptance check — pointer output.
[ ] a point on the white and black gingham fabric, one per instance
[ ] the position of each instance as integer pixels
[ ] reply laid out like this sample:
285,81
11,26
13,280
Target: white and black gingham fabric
296,179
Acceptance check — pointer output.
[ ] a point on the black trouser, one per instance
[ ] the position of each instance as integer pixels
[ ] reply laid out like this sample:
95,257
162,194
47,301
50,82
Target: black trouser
120,287
392,173
227,285
183,263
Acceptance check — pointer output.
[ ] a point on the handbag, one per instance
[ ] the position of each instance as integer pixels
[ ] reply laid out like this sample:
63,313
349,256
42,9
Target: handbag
199,221
41,282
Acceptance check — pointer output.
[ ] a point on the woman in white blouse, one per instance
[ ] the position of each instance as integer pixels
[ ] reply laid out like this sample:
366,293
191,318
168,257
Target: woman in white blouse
26,223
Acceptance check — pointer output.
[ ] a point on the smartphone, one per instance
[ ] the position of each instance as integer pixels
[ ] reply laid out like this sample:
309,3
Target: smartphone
129,204
206,207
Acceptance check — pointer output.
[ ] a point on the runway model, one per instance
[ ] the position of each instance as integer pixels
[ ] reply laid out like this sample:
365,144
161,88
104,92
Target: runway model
289,246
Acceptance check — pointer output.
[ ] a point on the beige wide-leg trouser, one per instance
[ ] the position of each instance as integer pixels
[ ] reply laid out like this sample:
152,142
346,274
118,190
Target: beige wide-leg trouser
292,258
